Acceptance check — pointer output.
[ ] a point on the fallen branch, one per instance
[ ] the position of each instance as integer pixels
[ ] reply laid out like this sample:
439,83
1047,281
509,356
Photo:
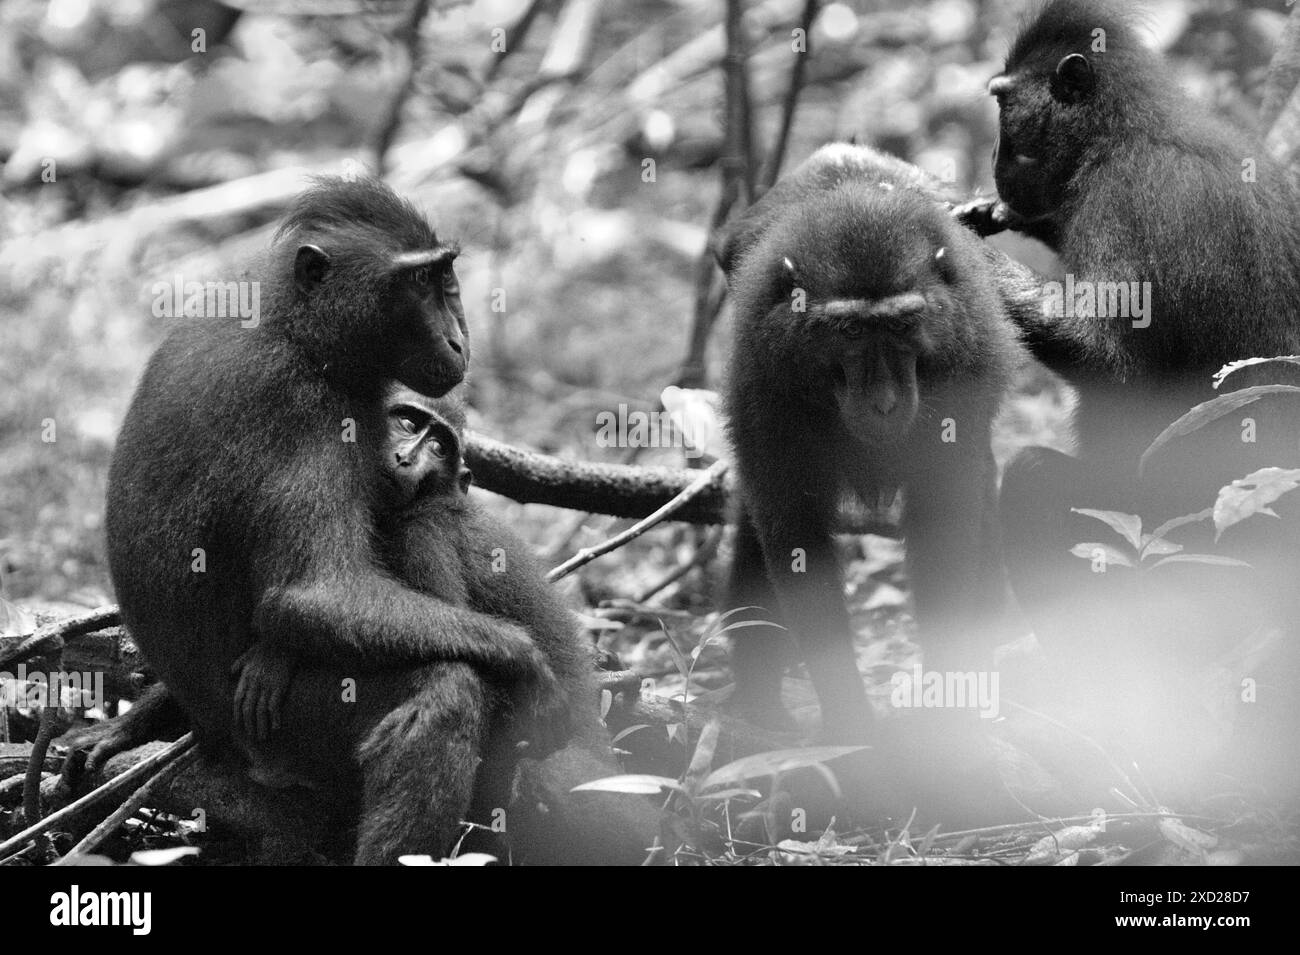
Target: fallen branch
123,812
52,724
110,788
50,638
621,490
615,489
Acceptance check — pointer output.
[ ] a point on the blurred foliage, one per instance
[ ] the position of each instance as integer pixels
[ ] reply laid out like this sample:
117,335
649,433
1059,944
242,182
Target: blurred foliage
533,157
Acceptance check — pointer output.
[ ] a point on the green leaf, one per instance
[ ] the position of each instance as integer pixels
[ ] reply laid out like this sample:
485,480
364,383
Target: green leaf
1127,526
773,762
702,758
722,795
1252,495
630,730
1176,522
15,621
1211,410
1111,555
640,784
1153,546
1212,559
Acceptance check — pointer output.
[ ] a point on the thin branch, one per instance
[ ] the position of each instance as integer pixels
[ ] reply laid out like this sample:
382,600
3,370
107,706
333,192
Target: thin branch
110,788
516,36
797,73
703,554
738,172
51,725
128,808
709,480
51,637
740,130
408,35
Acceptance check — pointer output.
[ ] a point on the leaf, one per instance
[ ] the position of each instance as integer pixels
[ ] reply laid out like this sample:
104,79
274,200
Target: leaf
702,758
1212,559
15,621
630,730
680,658
639,784
722,795
1184,836
1208,411
928,840
740,625
1232,366
697,413
1111,555
1176,522
773,762
162,856
469,858
1251,495
1153,546
1050,850
794,852
1127,526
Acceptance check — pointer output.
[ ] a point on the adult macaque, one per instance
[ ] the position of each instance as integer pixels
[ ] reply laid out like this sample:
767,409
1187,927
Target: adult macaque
1187,237
260,524
871,353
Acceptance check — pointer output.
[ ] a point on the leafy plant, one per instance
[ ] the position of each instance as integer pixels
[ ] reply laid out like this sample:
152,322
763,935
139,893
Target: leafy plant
701,790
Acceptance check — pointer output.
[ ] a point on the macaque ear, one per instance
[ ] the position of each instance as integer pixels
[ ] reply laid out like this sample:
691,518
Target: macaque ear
309,267
1074,79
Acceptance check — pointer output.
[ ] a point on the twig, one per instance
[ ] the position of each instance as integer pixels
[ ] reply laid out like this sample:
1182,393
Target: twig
580,520
50,727
408,35
515,38
708,480
128,808
702,555
740,128
797,72
110,788
737,185
52,636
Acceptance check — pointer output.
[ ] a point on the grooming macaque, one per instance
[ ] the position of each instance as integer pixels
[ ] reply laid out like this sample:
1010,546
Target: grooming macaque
871,353
1190,236
259,528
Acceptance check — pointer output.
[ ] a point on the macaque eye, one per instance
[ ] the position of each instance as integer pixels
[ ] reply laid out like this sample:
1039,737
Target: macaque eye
411,420
449,284
853,331
443,442
421,276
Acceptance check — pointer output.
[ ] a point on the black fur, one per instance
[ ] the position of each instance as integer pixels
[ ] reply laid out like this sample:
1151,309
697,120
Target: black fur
856,226
1133,181
235,444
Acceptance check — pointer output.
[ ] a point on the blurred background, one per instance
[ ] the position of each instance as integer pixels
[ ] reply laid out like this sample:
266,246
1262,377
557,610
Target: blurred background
145,138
